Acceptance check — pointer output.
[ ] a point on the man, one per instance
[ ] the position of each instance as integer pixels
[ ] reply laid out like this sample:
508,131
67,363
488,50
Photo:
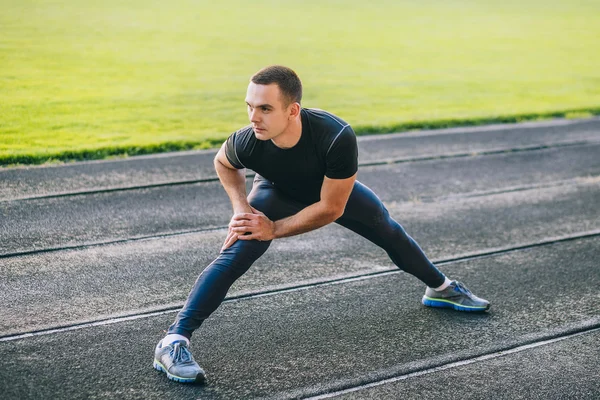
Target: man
305,162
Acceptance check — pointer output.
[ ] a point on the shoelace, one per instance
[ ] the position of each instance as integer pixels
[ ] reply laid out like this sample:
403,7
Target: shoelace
462,288
180,354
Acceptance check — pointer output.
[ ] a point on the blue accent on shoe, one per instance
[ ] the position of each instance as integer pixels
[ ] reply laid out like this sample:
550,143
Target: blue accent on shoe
457,297
446,304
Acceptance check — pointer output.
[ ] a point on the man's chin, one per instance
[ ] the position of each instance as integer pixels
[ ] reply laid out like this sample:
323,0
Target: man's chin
261,134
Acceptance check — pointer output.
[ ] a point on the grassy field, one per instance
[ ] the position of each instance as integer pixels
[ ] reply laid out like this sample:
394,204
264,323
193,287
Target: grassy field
91,78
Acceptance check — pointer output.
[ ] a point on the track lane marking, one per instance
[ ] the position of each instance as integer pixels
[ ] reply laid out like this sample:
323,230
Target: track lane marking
577,181
306,286
468,361
361,164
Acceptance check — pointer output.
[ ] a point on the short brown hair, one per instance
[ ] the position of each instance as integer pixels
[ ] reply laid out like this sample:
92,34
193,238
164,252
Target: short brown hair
288,81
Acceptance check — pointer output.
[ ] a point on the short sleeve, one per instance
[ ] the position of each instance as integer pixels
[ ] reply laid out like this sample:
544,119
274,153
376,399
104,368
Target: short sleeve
231,151
342,156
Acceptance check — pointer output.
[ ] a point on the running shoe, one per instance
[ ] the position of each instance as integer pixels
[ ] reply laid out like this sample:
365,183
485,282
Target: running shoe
177,362
455,296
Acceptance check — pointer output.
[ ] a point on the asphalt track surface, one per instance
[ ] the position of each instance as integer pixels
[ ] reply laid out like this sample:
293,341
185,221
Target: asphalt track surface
97,257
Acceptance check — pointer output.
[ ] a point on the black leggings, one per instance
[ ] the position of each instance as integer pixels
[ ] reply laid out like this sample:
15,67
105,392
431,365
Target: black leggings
365,214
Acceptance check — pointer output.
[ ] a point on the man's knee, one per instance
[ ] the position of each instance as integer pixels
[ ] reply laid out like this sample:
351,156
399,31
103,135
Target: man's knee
241,254
391,231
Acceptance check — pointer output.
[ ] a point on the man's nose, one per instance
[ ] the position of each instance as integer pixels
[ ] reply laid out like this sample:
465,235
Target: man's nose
254,116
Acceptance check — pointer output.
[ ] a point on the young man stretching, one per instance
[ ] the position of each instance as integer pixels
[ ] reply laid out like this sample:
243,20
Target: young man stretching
305,162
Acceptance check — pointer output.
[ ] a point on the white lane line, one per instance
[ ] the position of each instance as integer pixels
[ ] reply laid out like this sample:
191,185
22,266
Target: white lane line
451,365
307,286
111,321
368,163
559,122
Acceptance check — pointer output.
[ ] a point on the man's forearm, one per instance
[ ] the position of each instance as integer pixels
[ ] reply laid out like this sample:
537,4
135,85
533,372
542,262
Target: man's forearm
234,183
310,218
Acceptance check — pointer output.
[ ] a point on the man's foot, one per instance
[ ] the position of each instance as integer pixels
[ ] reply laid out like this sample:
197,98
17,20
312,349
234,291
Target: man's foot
177,361
455,296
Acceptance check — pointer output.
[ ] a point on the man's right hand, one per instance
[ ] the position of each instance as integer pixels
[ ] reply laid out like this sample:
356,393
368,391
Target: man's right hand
232,236
229,240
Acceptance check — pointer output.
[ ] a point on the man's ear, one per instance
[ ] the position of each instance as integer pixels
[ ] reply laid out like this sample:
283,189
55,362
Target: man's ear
294,110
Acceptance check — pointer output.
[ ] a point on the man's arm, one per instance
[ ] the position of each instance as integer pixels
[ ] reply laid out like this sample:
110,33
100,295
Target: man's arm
334,196
234,183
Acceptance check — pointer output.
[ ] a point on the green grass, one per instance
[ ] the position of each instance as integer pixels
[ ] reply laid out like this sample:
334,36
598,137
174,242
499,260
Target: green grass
89,79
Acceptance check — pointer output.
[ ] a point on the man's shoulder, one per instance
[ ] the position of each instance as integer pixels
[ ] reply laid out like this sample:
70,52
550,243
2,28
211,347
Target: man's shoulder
325,120
244,138
239,144
244,132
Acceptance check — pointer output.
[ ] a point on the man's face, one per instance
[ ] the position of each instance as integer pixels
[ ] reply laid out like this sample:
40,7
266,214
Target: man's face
266,110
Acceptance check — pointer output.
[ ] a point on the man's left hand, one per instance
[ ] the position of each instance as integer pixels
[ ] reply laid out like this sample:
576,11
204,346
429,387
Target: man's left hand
255,226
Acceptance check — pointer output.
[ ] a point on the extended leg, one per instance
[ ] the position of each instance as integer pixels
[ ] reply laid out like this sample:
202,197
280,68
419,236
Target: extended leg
366,215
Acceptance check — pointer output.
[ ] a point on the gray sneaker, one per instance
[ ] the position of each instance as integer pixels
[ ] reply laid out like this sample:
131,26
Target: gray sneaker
177,361
455,296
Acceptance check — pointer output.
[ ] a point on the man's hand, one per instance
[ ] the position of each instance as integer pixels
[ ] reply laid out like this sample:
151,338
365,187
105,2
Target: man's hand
249,226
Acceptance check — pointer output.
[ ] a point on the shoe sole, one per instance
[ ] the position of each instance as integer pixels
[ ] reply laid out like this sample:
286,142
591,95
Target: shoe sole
439,303
198,379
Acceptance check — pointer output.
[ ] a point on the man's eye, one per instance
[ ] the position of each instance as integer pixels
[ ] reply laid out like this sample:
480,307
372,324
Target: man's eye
265,109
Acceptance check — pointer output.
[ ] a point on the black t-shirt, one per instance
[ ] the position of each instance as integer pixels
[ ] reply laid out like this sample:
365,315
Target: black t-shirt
327,147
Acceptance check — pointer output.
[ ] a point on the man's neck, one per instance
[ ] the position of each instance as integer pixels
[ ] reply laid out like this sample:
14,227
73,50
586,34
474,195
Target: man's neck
291,136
